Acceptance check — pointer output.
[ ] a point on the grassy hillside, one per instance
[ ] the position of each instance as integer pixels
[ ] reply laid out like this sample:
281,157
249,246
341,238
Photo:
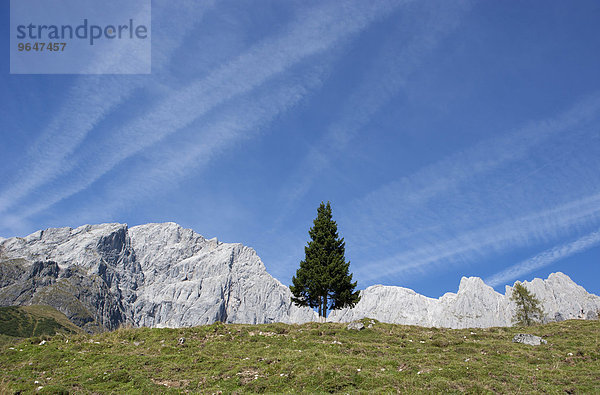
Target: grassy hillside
310,358
28,321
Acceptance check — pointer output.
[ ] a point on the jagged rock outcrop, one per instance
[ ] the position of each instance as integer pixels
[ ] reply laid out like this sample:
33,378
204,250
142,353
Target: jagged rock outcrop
474,305
104,276
559,295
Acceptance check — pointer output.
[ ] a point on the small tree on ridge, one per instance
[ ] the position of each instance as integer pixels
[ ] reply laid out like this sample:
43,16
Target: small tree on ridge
528,306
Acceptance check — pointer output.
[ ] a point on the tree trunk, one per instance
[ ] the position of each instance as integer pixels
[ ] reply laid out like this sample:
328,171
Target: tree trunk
325,306
320,307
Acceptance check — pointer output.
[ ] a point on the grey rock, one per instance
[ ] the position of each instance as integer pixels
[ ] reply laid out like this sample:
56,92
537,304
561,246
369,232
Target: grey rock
591,315
43,269
181,340
356,326
11,270
558,317
531,340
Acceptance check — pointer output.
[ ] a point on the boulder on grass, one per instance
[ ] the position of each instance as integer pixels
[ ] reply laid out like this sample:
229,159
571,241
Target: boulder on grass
526,338
356,325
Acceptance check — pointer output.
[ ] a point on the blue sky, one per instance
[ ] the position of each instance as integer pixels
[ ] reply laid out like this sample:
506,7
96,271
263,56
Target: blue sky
452,138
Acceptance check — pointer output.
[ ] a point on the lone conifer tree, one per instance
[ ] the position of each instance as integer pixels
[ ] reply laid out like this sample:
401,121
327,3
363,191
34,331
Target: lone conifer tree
528,306
323,279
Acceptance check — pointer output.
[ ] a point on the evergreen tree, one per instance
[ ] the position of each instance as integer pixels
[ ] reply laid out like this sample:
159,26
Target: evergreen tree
323,279
528,306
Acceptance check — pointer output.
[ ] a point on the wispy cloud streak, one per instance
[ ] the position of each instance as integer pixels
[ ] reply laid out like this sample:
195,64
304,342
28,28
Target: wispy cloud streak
484,241
88,102
314,31
483,182
243,119
545,258
383,81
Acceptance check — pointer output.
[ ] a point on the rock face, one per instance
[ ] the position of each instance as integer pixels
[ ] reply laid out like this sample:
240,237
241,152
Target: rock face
104,276
474,305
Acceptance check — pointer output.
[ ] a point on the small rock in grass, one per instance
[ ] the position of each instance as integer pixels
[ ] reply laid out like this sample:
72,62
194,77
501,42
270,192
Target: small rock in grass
181,340
526,338
357,326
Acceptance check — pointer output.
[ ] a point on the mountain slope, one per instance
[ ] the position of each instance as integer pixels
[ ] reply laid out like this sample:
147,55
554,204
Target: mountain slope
28,321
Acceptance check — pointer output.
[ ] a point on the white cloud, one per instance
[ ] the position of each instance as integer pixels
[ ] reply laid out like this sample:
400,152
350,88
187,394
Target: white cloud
545,258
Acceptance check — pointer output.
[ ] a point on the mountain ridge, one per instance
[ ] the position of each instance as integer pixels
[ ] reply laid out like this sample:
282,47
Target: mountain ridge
162,275
476,304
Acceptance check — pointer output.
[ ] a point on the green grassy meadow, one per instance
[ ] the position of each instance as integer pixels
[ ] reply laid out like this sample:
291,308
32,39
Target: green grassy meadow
310,358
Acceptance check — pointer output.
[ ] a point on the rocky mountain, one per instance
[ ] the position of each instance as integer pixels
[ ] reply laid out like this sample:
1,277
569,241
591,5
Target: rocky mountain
161,275
474,305
105,276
